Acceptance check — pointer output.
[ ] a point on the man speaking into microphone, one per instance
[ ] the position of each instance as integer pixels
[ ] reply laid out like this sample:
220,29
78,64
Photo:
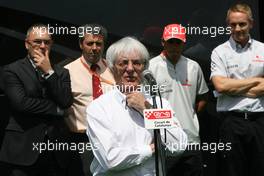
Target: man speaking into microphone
121,143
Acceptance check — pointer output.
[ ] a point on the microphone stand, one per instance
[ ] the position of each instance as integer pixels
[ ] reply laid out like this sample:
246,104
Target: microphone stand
159,159
159,150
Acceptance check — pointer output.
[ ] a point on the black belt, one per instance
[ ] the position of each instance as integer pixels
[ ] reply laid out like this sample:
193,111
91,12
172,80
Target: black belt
245,115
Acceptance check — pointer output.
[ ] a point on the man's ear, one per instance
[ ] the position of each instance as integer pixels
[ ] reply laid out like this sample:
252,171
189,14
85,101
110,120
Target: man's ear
81,44
113,71
162,42
26,44
251,23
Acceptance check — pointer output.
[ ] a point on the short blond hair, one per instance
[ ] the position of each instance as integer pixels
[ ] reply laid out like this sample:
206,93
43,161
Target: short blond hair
240,7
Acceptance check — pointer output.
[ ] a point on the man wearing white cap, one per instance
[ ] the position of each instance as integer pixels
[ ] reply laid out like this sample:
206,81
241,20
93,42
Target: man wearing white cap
183,85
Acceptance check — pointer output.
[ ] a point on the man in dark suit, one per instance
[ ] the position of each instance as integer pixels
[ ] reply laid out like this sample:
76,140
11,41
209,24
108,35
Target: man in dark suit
38,93
4,107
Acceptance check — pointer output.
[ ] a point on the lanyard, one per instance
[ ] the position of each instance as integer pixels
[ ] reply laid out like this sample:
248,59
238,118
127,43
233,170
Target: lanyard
95,74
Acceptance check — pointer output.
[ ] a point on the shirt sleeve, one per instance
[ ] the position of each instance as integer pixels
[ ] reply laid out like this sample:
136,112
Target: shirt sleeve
217,65
107,148
174,138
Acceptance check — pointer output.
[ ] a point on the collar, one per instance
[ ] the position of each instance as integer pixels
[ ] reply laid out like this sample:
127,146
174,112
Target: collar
101,63
32,62
237,46
121,98
165,59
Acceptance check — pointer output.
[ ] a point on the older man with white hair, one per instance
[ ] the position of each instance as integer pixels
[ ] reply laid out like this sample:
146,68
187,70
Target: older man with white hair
121,143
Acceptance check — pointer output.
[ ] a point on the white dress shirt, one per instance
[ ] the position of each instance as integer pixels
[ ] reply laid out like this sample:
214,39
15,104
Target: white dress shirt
121,143
233,61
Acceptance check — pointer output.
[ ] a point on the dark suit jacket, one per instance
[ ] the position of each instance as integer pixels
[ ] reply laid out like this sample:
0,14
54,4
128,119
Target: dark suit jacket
4,107
1,79
34,110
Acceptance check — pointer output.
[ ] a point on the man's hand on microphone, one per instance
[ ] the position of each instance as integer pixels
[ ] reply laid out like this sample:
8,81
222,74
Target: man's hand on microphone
137,101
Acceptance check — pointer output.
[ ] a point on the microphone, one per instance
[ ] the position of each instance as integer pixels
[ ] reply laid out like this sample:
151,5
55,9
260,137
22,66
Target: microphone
159,160
148,77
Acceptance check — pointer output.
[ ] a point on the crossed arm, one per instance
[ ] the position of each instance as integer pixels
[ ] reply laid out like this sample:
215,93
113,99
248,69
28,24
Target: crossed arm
249,87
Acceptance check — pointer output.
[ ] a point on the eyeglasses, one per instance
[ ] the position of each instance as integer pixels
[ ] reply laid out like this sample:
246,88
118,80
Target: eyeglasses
38,42
137,64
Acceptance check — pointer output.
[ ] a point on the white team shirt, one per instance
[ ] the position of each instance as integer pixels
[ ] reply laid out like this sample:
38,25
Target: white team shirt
121,142
232,61
180,86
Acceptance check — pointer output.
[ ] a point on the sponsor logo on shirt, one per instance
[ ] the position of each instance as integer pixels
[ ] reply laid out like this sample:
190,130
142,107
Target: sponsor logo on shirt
186,83
258,59
232,66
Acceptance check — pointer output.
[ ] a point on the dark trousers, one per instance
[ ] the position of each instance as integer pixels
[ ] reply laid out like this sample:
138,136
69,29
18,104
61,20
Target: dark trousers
82,157
245,133
189,164
46,165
